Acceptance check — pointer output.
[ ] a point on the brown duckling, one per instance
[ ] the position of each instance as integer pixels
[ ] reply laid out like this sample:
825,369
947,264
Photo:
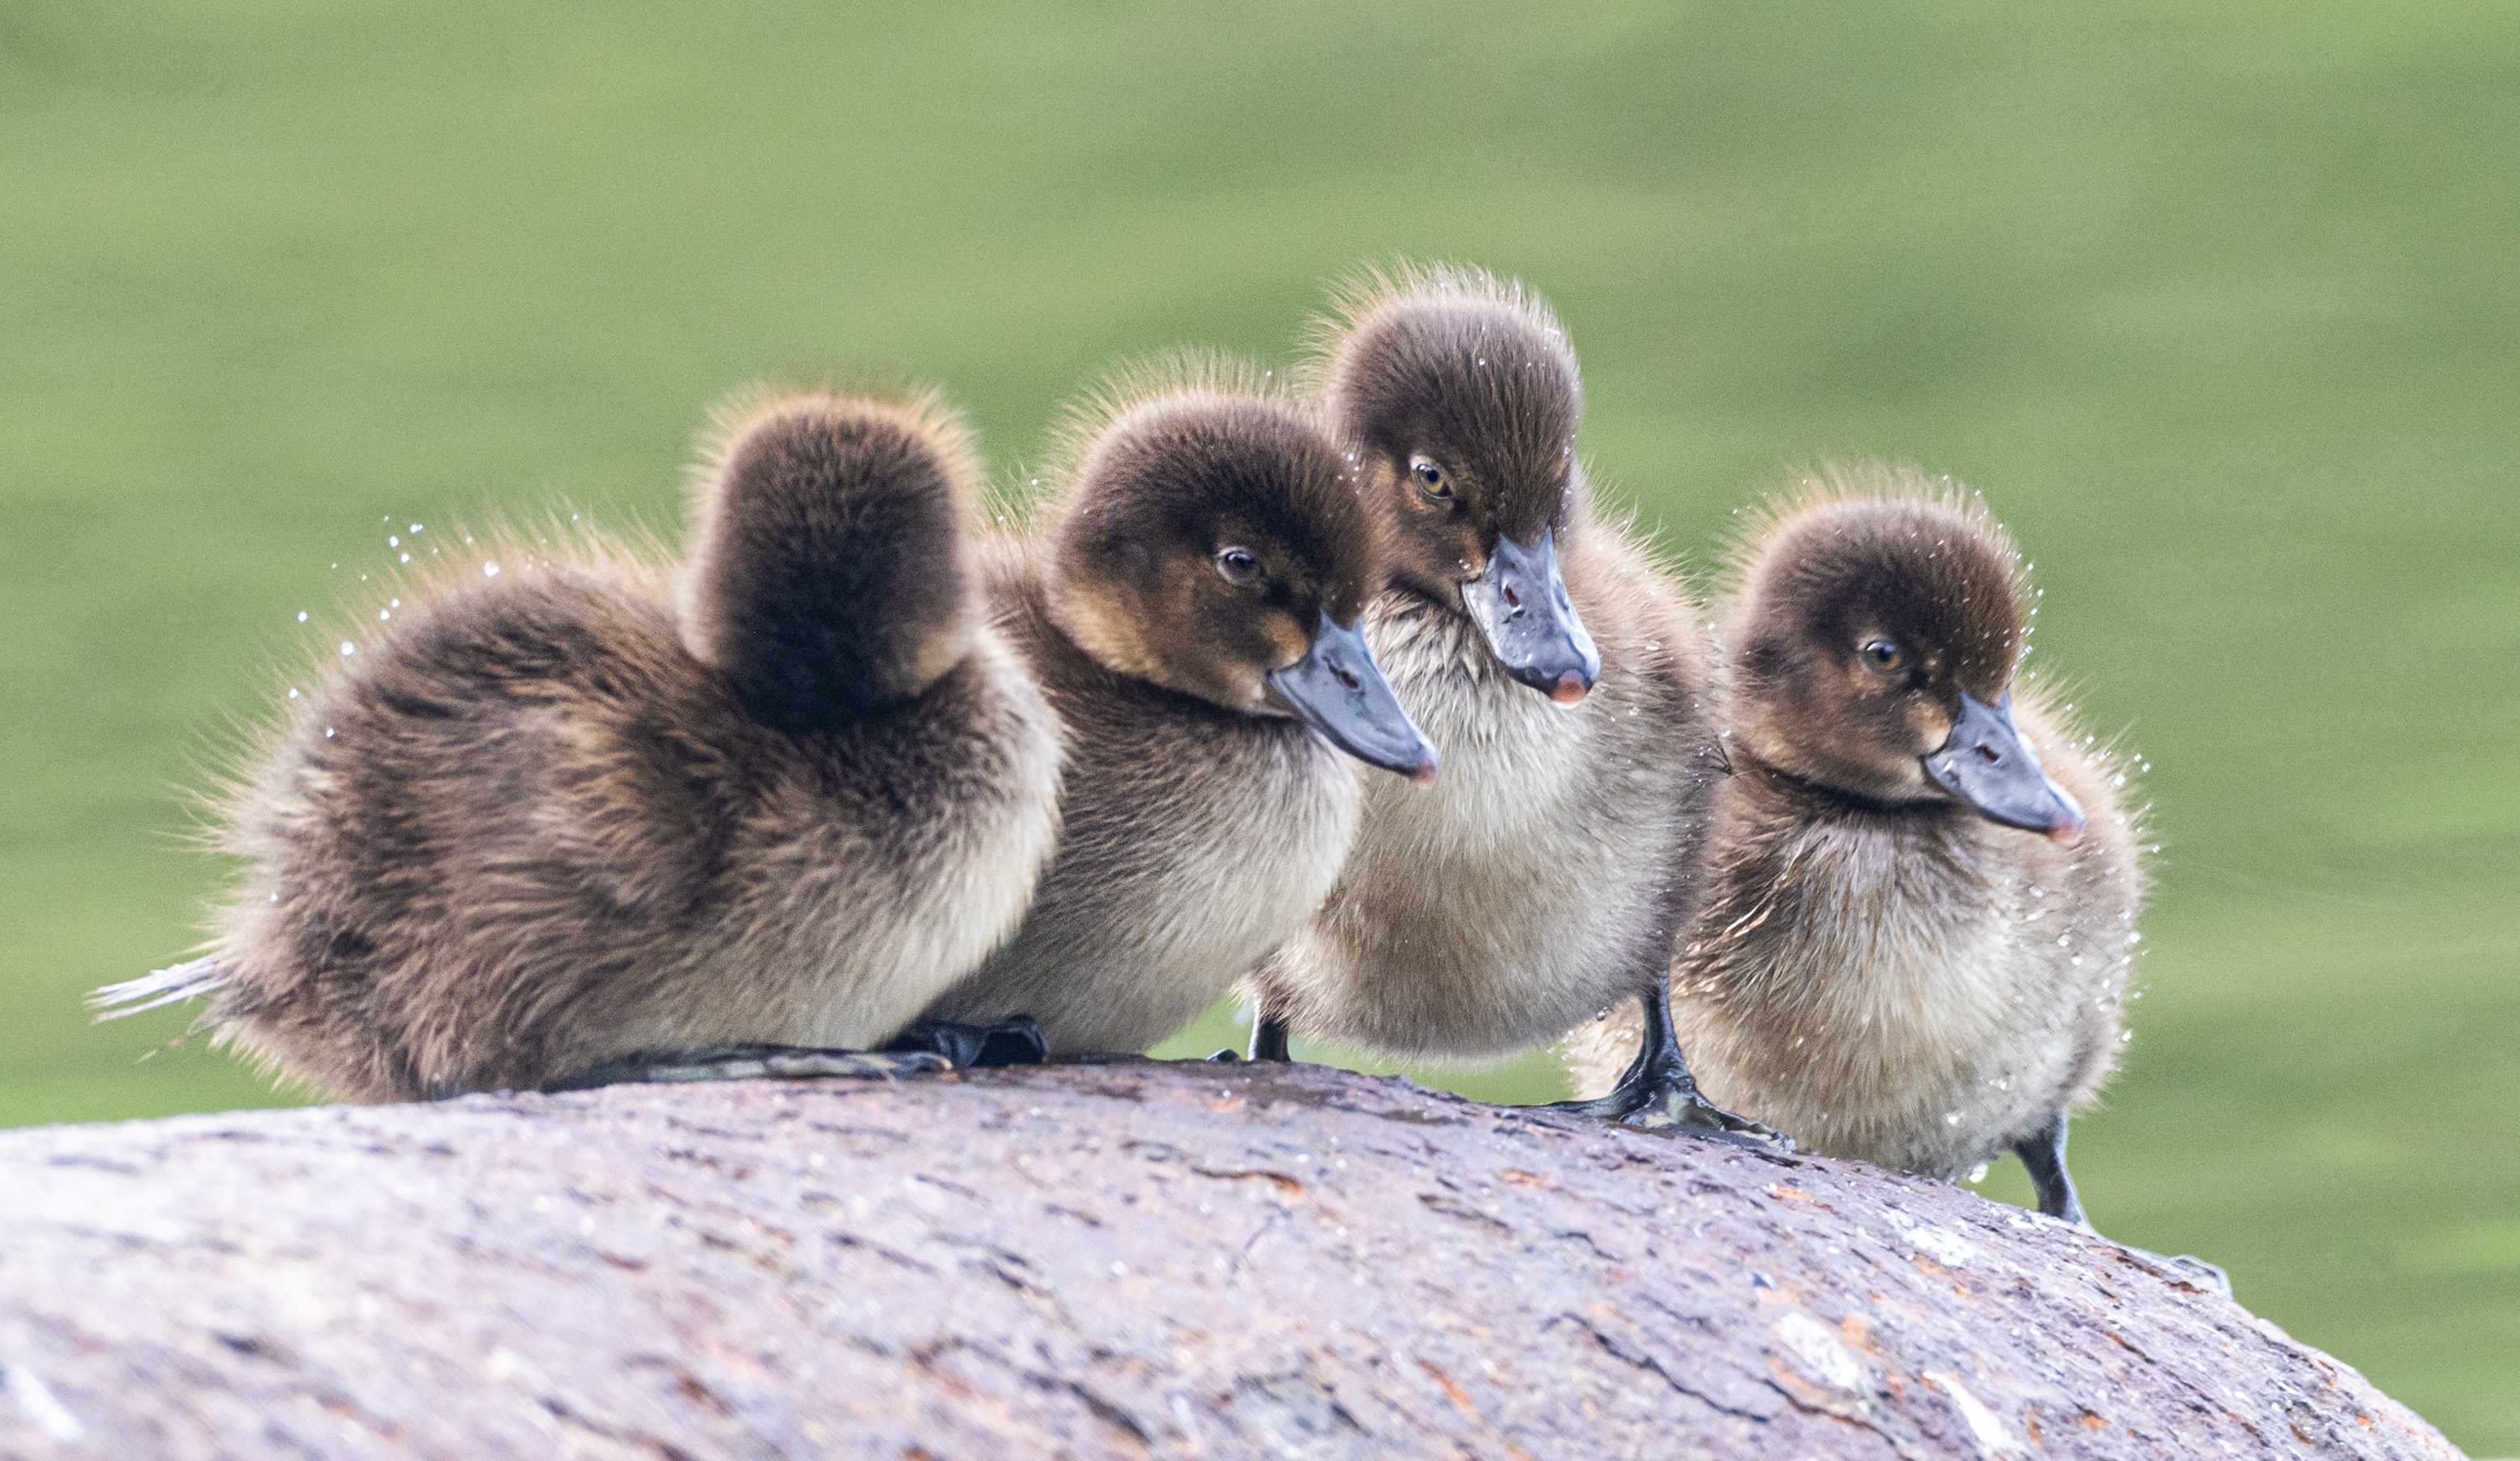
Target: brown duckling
1190,604
1566,679
1920,906
585,816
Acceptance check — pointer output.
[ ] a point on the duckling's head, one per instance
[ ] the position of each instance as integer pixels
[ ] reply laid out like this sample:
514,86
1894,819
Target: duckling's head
827,574
1458,394
1207,537
1875,628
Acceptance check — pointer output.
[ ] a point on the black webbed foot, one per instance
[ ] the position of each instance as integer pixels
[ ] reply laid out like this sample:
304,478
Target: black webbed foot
2044,1154
1016,1040
752,1062
2187,1269
1659,1094
1668,1101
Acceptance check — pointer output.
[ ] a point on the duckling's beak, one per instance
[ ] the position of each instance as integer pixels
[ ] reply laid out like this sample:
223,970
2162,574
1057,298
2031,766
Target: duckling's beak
1520,605
1989,764
1338,690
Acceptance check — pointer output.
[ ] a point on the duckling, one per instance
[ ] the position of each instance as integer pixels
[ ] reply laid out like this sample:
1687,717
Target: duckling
574,815
1922,903
1567,680
1191,605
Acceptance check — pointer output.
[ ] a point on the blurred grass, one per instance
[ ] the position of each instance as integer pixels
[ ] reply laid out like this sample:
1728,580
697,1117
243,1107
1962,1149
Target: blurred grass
2216,301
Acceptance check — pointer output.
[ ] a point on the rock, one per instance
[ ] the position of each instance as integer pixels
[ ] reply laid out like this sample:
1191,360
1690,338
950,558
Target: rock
1123,1260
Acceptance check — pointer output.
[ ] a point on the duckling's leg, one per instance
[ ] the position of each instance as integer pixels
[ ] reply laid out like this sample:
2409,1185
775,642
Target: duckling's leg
1268,1035
1657,1091
2045,1156
1268,1042
1016,1040
750,1063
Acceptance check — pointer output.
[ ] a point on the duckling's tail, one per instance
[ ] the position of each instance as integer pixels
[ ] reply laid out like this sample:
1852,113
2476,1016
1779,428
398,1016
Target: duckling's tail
159,987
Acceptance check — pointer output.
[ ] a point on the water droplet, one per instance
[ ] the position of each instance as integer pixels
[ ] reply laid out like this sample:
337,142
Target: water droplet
348,649
489,571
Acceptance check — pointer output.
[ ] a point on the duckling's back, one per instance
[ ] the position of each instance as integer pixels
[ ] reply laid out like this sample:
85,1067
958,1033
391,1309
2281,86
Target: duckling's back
527,829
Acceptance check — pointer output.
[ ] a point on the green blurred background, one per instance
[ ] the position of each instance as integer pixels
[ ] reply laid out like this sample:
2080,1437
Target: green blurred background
2218,301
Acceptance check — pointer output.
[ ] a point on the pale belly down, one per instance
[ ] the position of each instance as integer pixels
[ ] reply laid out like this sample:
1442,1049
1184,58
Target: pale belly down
1489,912
1929,1060
1201,932
1129,943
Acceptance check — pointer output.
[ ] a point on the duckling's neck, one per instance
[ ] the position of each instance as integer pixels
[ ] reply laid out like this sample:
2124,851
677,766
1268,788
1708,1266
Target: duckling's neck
1819,799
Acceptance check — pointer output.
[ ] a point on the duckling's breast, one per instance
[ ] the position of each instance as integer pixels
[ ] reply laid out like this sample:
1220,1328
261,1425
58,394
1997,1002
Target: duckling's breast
1192,840
1901,988
1518,893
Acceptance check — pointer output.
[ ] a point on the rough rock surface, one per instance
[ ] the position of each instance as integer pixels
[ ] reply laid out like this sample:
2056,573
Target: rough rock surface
1091,1260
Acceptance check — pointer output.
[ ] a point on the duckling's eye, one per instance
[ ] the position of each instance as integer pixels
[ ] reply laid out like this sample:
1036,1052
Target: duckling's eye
1881,657
1237,564
1430,478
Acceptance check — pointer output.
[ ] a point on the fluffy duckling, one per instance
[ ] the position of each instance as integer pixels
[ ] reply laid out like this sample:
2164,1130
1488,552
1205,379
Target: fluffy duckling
1191,606
580,815
1565,676
1921,902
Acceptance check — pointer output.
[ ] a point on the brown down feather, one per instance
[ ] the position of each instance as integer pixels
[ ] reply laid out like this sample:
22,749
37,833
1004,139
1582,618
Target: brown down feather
1878,970
542,817
1201,825
1542,876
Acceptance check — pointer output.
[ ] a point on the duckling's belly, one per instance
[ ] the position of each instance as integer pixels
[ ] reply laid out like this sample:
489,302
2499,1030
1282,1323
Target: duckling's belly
1183,860
1518,894
1909,1020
